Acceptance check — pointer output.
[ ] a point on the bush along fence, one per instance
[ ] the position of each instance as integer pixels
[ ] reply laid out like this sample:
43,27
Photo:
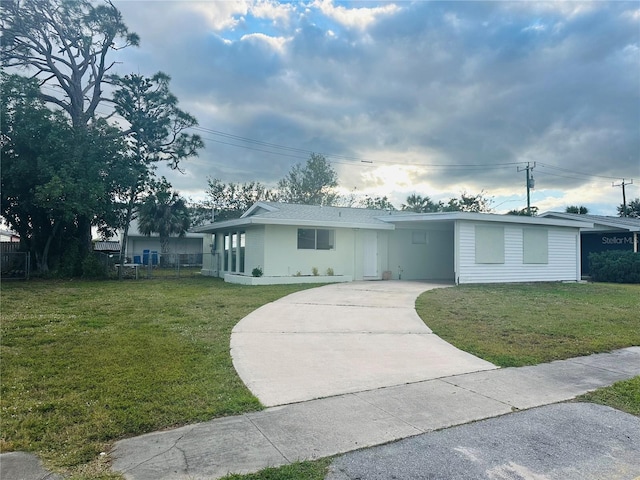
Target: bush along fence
615,266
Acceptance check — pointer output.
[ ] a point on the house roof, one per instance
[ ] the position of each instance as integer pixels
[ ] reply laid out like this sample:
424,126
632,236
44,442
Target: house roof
273,213
600,222
134,231
8,233
106,247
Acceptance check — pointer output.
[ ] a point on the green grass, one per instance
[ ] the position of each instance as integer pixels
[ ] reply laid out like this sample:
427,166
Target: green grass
84,363
310,470
526,324
623,396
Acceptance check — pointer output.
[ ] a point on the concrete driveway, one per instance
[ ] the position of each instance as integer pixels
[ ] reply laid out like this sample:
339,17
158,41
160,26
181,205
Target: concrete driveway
342,338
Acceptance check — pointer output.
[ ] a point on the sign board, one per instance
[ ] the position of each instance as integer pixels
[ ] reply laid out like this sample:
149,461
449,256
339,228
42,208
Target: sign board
602,242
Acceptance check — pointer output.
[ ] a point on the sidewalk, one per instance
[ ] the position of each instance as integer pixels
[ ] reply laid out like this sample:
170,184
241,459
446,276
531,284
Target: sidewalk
324,427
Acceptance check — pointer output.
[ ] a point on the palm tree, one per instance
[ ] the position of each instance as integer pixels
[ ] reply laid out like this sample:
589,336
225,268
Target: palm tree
165,213
419,204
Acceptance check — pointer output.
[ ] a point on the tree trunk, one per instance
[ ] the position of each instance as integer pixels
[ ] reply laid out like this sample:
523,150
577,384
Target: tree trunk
42,260
125,232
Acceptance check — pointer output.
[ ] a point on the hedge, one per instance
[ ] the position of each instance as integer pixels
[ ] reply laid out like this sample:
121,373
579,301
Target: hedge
619,266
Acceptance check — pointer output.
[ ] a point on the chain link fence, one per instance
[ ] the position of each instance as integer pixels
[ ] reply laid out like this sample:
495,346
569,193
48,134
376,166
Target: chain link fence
15,265
152,264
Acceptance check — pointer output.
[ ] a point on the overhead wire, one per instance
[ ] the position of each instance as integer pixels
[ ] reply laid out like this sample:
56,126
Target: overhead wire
300,153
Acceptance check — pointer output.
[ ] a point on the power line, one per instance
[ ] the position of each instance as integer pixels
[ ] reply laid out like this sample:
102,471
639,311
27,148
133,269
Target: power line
290,152
575,172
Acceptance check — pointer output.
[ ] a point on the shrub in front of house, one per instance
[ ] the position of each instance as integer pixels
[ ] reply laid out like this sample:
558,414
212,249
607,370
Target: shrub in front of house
615,266
256,272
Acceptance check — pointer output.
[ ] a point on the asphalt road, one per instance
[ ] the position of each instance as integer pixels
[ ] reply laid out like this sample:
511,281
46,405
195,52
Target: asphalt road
570,441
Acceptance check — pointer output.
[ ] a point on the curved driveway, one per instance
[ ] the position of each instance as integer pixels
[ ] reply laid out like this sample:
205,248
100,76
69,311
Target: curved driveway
342,338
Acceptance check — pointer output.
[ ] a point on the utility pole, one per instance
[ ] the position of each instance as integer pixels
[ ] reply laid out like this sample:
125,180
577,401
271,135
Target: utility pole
624,196
530,184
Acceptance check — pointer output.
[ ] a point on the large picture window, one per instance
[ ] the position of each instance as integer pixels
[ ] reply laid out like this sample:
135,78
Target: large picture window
316,239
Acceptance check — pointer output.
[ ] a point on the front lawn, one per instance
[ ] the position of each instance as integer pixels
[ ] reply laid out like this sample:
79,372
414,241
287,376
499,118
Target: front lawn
84,363
524,324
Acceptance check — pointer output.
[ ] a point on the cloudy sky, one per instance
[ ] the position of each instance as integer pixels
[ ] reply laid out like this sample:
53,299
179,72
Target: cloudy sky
433,98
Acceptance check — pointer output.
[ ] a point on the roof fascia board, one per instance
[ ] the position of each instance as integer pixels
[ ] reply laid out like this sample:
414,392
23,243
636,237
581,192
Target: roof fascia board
214,227
243,222
321,223
595,222
487,217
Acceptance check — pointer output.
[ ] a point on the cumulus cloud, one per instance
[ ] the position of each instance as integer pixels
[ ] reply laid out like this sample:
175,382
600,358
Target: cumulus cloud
452,95
358,17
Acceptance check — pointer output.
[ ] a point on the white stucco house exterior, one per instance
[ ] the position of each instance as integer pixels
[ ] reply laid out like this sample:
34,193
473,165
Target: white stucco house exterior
288,242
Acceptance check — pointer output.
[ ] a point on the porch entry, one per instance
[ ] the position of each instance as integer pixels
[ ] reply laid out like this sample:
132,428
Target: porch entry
370,252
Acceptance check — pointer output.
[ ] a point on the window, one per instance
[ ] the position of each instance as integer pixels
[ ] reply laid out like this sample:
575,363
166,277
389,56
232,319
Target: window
242,251
226,251
306,239
418,237
234,251
535,245
489,244
315,239
324,239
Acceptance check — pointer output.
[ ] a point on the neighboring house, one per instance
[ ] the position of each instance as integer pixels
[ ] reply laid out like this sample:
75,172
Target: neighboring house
607,233
107,247
288,241
139,246
9,236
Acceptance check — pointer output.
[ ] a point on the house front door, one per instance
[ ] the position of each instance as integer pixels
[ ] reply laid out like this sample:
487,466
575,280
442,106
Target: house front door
370,250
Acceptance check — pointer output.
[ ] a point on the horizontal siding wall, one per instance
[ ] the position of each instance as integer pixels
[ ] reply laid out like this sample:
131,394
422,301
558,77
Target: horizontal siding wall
562,265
